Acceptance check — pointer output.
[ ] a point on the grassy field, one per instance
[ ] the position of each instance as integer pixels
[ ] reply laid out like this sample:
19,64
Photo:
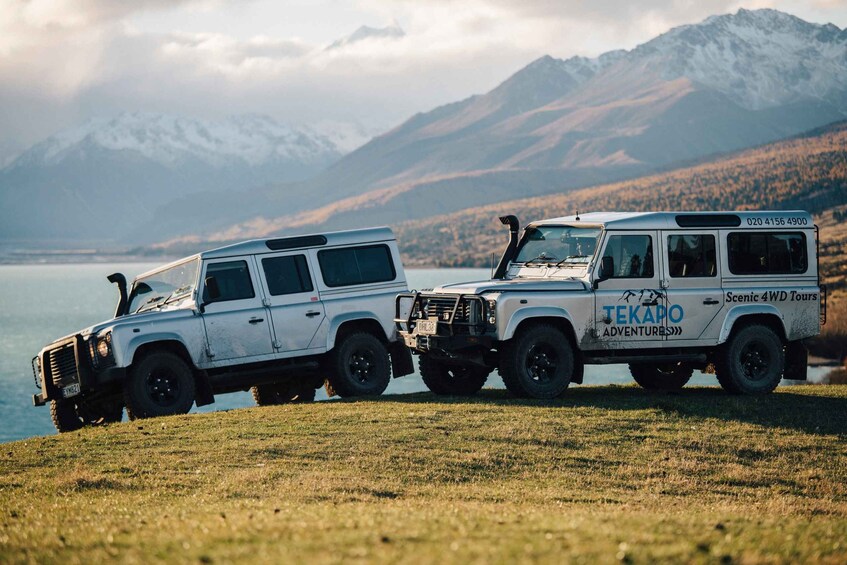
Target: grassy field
605,474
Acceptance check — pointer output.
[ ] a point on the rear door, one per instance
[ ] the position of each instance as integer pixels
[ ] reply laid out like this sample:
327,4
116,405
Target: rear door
693,282
237,323
296,311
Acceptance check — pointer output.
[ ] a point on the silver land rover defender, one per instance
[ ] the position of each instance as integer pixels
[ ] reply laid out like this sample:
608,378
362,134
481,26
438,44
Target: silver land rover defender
283,316
665,292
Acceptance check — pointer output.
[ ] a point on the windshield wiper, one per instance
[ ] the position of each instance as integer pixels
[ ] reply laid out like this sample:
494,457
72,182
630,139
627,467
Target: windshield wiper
178,293
153,300
541,258
566,259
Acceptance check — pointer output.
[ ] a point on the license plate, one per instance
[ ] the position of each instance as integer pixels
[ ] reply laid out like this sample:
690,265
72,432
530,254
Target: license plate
426,327
70,390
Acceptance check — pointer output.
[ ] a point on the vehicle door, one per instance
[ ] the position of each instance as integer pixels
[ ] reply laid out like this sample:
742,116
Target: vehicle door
236,321
296,311
692,281
630,305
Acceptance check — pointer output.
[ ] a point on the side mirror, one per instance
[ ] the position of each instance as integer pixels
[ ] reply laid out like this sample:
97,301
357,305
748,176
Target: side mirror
605,271
213,291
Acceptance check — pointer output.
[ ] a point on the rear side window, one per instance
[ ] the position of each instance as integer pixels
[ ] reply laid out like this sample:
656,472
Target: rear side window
233,279
356,265
692,256
767,253
287,275
632,256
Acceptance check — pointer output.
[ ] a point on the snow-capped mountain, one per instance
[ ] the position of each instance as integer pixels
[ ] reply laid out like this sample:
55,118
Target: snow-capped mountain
109,175
727,83
164,139
394,31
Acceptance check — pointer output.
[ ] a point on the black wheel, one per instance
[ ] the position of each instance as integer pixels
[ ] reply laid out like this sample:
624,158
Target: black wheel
70,415
537,363
752,362
668,376
457,380
282,393
161,384
359,366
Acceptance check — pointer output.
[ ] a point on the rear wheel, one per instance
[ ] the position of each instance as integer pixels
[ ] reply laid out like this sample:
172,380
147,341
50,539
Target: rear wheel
282,393
665,377
751,362
161,384
445,379
537,363
359,366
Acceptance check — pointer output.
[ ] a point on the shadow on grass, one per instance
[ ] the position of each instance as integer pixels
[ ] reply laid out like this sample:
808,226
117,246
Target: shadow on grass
810,413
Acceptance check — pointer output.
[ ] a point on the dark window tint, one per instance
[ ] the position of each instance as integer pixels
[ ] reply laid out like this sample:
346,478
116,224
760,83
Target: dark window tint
356,265
233,280
632,256
767,253
692,256
287,275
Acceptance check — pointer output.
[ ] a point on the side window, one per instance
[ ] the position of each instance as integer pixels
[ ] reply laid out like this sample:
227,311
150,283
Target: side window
692,256
356,265
632,256
233,279
287,275
756,253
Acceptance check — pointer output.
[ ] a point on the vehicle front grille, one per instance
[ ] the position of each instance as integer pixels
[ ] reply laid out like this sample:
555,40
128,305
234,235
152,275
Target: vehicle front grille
441,307
63,370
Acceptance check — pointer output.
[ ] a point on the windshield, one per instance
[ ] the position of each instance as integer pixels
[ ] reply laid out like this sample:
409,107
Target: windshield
164,287
557,244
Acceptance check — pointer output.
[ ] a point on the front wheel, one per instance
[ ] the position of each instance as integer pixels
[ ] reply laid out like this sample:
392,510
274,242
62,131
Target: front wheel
752,362
161,384
69,416
456,380
667,377
537,362
359,366
281,393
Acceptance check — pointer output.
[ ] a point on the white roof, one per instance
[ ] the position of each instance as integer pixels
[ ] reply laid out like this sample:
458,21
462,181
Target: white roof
698,220
257,246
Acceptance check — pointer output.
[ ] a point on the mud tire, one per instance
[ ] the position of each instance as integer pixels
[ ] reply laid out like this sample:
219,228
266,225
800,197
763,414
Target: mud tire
160,384
447,380
358,366
538,362
751,362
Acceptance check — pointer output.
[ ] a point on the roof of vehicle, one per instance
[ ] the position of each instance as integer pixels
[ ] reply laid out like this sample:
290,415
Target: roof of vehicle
274,244
330,239
685,219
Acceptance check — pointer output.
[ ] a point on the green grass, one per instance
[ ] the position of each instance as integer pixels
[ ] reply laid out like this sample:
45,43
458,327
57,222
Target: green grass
604,474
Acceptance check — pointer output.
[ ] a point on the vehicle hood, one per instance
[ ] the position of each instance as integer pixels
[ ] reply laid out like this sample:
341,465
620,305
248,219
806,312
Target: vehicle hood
135,320
513,285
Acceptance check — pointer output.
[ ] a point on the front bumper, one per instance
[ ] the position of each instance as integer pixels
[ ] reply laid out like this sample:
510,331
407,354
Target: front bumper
64,370
446,343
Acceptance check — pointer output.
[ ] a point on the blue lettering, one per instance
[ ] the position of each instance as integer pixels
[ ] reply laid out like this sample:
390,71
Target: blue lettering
633,314
675,318
648,316
620,317
608,310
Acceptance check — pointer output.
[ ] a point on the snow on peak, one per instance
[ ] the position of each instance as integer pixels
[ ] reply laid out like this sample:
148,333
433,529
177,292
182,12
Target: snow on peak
393,31
252,139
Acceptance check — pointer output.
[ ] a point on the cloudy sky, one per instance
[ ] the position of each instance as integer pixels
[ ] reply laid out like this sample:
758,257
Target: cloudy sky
64,61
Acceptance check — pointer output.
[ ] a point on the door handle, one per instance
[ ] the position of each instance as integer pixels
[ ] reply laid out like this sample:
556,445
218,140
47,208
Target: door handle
710,302
312,314
256,320
650,303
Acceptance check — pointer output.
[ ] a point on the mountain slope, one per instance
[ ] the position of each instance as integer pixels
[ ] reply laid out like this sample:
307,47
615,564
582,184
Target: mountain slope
730,82
807,172
110,175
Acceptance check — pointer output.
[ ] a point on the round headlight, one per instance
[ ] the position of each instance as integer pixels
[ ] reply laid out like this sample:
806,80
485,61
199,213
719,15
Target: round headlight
103,347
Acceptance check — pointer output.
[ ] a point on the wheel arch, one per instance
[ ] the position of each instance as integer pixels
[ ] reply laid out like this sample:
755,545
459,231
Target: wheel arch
742,316
560,319
352,322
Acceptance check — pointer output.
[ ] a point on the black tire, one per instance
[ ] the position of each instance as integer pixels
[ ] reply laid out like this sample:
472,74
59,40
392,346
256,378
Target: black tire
160,384
282,393
359,366
451,380
751,362
537,363
662,377
69,416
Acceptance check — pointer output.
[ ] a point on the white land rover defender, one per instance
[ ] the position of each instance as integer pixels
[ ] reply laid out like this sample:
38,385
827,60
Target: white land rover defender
280,315
665,292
